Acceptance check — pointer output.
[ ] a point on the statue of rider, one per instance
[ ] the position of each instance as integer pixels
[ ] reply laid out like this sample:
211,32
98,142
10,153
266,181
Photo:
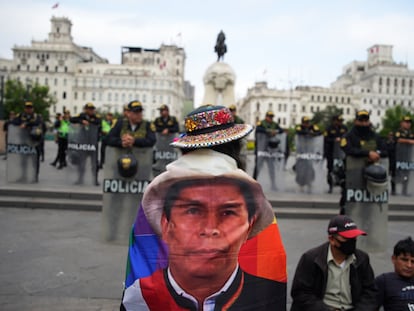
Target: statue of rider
220,47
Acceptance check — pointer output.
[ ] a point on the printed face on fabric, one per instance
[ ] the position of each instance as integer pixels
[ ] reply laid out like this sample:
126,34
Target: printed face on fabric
207,226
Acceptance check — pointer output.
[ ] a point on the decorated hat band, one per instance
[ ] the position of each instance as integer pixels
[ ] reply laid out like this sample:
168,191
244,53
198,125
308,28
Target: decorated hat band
209,126
207,121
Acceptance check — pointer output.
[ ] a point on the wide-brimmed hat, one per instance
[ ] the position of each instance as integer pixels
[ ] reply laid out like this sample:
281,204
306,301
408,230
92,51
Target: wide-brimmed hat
209,165
209,126
345,227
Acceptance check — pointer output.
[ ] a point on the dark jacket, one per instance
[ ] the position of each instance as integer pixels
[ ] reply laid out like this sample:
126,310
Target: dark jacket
144,134
309,283
246,293
358,144
169,123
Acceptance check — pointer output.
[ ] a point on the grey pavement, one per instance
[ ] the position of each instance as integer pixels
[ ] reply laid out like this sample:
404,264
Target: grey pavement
56,260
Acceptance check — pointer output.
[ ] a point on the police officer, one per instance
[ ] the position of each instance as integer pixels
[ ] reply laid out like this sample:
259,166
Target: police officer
332,135
237,119
271,129
307,128
166,124
62,139
33,122
268,126
362,142
405,134
86,118
132,131
106,125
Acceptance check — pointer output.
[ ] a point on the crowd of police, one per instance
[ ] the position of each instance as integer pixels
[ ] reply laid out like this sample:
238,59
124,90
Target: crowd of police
131,130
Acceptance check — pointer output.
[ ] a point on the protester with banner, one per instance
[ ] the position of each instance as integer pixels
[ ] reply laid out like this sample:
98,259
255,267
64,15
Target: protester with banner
205,237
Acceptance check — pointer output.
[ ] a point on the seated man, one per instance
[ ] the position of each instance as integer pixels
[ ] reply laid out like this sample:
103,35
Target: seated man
335,275
396,289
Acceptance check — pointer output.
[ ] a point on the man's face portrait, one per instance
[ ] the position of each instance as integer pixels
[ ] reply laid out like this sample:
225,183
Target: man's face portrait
207,226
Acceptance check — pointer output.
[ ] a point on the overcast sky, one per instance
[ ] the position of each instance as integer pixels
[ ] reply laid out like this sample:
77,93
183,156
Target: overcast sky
285,43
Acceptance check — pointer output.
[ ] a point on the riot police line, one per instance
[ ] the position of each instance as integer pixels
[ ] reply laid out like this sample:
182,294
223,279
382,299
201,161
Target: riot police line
270,161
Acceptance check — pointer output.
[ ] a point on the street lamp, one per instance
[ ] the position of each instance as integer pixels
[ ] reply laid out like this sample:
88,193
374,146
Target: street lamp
2,97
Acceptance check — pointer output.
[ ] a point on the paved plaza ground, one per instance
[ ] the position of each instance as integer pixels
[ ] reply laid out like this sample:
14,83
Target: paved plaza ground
56,259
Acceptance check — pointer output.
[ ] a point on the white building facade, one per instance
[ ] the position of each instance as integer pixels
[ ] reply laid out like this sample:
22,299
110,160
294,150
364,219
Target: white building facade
77,75
376,85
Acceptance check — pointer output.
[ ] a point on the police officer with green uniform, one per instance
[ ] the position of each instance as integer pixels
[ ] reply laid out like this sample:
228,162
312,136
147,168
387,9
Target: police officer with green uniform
132,131
62,139
237,119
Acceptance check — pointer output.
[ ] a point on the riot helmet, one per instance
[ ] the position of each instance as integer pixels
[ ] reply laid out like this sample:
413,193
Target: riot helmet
376,178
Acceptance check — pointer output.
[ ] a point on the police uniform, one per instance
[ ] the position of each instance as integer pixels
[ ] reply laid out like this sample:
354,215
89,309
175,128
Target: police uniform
169,122
62,137
358,142
92,119
312,130
404,133
331,134
143,133
34,124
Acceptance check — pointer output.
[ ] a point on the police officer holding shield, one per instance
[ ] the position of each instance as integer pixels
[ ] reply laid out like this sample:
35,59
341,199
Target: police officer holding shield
132,131
33,122
333,134
405,134
166,124
362,142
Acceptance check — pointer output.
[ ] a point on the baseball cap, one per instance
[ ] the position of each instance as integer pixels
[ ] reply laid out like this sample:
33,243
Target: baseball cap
89,106
362,115
163,107
345,227
232,107
28,104
135,106
269,114
406,118
305,119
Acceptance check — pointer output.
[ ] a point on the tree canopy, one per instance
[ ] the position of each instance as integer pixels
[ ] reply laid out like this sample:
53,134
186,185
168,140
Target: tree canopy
16,94
392,119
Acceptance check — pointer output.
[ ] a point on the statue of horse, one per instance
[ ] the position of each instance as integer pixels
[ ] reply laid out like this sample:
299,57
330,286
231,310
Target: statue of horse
220,47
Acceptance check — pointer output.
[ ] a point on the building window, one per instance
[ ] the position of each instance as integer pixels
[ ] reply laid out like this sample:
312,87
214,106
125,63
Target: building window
56,82
75,95
64,95
56,68
83,96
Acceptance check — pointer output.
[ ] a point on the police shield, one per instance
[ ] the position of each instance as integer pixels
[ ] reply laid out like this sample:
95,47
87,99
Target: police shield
404,169
270,161
163,153
22,156
368,210
309,167
82,153
122,195
338,169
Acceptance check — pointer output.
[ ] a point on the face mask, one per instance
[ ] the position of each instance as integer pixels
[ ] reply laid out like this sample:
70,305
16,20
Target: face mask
347,247
363,130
